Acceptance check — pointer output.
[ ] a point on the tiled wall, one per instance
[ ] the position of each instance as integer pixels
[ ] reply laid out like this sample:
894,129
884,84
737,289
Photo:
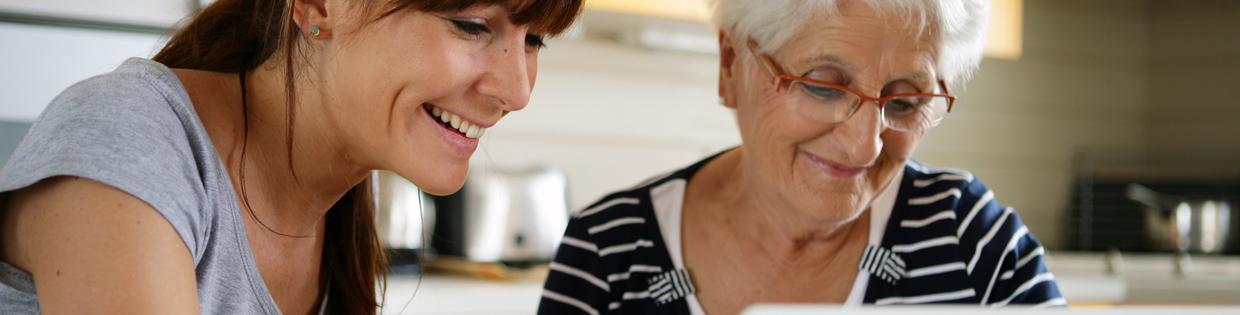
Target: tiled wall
1078,86
1195,67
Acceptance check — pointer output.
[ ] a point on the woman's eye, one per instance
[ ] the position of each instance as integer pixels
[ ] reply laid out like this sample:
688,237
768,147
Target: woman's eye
471,28
901,106
823,92
534,41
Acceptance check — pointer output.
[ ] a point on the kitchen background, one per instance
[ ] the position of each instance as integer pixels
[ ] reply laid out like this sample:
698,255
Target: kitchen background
1075,100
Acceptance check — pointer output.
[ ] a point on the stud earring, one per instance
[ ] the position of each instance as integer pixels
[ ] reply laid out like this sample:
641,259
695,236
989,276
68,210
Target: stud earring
315,31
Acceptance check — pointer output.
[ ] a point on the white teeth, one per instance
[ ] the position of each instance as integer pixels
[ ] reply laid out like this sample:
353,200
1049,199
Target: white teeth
465,127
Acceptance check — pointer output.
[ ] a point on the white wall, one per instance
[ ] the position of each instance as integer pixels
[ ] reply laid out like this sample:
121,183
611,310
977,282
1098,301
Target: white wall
41,61
159,13
611,116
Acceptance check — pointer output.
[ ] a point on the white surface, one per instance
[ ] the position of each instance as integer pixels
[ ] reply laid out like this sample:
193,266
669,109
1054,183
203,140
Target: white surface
1091,289
930,310
449,295
41,61
1080,276
452,295
1147,279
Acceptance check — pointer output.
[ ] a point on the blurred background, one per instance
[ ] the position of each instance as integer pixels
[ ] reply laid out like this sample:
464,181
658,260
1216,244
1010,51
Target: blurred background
1112,126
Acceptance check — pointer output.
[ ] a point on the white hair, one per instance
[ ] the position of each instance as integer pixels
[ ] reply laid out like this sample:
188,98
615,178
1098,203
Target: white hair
958,26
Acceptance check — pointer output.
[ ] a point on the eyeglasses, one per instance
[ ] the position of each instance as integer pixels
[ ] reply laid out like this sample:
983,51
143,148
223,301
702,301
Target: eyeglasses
832,103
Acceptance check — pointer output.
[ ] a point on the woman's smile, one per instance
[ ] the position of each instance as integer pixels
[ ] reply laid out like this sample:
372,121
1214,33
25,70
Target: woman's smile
460,134
834,169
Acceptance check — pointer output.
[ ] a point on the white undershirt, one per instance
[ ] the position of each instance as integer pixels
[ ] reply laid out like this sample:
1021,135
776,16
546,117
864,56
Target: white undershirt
668,200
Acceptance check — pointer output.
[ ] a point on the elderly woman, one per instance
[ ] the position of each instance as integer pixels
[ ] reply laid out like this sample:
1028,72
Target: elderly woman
134,194
821,202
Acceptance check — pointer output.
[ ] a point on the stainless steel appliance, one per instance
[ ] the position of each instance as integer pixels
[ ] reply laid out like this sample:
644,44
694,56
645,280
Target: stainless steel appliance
1184,225
404,215
504,215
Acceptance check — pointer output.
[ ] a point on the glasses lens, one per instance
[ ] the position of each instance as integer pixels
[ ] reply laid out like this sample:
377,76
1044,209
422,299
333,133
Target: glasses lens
915,113
823,103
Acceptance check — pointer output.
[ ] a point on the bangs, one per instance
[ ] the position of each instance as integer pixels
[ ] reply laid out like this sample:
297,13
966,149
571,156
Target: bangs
547,17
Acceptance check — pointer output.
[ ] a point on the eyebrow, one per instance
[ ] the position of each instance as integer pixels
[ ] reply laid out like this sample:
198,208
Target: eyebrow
828,59
919,78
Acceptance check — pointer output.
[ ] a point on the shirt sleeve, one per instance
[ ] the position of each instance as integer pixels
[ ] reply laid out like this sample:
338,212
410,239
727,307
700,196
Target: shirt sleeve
1005,262
576,282
117,130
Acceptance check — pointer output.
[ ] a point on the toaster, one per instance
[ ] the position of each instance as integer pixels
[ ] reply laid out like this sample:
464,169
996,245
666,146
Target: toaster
511,216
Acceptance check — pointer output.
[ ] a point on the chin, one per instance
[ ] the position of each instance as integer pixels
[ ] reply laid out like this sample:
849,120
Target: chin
440,181
443,186
441,191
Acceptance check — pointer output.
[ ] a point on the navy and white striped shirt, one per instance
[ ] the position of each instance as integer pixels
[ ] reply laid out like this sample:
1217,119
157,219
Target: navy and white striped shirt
946,240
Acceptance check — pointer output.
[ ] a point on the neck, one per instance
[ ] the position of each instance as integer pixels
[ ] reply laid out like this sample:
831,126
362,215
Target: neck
294,167
775,225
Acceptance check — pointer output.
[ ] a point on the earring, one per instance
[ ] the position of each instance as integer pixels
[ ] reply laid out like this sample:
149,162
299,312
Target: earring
315,31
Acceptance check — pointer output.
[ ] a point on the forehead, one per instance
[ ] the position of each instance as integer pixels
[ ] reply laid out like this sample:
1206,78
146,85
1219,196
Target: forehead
869,41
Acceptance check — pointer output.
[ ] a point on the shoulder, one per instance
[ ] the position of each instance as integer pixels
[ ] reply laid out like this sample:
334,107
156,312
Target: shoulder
610,250
125,124
970,200
138,92
974,210
638,199
78,233
126,118
622,221
128,129
992,246
138,106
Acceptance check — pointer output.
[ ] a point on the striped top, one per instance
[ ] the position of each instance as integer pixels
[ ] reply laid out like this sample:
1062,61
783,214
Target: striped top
940,238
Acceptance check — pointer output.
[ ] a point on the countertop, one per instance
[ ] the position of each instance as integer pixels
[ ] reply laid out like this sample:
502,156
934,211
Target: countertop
458,295
1146,279
1138,279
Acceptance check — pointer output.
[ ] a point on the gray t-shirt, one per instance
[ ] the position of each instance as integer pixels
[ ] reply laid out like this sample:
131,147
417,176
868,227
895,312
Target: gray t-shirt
135,129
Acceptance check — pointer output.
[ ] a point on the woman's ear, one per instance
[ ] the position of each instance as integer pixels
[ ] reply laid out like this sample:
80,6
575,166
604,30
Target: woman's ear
313,19
727,63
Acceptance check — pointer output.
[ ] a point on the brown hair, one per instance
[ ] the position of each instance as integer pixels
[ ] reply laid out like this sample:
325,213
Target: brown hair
238,35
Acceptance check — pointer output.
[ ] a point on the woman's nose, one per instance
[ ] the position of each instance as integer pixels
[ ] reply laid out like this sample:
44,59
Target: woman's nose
860,135
506,78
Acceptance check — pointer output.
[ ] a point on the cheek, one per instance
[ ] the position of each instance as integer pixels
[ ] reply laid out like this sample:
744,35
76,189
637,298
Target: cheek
764,117
899,146
773,131
532,69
